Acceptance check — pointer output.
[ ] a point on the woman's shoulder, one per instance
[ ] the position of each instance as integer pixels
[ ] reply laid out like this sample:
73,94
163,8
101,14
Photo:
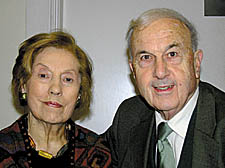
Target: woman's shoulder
10,134
11,137
83,134
96,147
11,143
90,138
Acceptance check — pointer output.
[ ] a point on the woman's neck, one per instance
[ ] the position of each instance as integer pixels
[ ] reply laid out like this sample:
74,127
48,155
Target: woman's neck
47,137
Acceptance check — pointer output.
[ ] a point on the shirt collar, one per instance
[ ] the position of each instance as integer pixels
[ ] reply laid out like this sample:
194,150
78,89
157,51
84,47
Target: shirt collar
179,123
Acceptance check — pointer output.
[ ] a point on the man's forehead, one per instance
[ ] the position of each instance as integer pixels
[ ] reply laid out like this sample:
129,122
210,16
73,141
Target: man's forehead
162,29
162,25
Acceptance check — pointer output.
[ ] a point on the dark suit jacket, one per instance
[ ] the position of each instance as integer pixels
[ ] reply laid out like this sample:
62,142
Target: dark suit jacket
132,134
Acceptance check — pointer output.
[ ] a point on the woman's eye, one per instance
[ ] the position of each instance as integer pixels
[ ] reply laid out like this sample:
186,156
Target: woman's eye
69,80
43,75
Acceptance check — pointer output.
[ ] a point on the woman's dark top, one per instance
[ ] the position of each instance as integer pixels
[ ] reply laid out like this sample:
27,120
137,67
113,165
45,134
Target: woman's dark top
85,149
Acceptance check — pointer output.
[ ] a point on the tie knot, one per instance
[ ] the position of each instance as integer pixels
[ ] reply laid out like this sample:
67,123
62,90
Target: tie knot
164,131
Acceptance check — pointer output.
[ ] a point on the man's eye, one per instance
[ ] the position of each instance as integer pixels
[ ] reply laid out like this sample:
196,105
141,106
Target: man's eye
172,54
145,57
145,60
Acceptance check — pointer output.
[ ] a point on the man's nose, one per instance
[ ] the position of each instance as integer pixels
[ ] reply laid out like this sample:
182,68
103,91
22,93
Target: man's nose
160,69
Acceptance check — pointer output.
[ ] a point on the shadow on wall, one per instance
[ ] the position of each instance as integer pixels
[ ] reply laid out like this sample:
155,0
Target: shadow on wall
214,7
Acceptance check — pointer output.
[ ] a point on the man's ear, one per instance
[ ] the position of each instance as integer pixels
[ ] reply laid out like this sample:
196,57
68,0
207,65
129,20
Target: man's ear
132,68
198,56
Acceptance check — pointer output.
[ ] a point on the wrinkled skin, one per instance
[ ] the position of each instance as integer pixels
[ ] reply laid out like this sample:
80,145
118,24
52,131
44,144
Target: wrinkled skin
166,70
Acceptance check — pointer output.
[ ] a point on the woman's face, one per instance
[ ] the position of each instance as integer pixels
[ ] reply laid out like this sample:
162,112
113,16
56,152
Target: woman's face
54,85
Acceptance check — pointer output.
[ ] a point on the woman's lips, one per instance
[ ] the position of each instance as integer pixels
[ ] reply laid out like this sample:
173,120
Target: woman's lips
53,104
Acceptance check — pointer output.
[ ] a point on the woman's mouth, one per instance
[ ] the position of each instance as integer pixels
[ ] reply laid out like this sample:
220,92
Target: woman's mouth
53,104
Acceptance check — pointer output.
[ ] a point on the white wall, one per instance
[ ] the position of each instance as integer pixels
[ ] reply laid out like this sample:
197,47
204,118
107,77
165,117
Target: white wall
20,19
99,27
12,32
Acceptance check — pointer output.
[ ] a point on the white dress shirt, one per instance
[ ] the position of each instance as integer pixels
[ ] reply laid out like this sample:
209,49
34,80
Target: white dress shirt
179,124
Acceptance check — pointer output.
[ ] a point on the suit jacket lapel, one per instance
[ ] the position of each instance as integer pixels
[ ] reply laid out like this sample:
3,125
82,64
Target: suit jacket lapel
142,141
150,151
205,148
187,150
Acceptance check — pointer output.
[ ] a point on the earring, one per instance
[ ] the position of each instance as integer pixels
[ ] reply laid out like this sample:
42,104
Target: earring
78,102
23,99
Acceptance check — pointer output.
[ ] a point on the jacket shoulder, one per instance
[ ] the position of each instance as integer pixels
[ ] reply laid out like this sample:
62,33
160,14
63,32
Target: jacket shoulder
218,95
135,108
212,89
212,96
130,114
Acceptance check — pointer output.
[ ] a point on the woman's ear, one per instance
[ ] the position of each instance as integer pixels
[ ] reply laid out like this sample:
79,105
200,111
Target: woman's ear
198,56
23,88
23,95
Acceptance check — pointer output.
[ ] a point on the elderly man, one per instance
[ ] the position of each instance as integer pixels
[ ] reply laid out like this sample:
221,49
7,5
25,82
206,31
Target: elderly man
177,120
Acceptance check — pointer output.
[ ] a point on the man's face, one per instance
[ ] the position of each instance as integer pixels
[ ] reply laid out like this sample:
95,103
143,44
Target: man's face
166,70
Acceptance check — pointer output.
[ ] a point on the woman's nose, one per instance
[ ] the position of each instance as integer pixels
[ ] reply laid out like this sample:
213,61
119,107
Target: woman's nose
55,88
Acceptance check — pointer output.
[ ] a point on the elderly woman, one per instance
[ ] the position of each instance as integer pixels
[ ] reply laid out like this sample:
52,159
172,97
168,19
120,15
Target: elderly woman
51,82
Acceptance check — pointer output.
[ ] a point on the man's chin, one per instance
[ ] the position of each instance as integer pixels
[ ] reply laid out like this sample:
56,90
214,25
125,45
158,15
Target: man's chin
165,108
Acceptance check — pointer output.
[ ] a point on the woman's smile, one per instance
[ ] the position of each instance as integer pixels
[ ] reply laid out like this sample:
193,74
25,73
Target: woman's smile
53,104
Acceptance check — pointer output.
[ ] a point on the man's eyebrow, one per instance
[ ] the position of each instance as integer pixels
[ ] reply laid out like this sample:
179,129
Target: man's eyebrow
171,46
142,52
167,48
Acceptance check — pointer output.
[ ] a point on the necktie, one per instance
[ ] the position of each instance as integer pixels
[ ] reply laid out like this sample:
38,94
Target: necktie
165,151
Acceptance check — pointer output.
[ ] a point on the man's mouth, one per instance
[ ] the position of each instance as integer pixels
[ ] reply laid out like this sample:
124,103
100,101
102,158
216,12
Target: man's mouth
53,104
164,88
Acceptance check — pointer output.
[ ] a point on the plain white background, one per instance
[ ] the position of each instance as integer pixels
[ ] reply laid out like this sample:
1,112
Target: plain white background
99,27
12,32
